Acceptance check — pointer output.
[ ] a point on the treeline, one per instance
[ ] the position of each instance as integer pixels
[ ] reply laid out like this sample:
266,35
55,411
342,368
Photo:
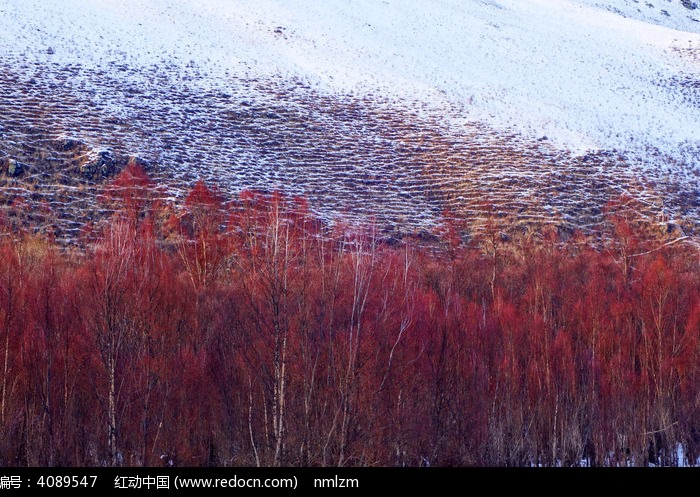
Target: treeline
247,332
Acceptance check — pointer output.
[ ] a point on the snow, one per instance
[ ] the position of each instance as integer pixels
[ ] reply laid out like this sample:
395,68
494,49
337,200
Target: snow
390,109
574,71
669,13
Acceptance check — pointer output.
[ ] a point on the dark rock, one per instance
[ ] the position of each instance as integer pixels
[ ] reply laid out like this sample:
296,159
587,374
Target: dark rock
103,165
12,168
146,165
688,4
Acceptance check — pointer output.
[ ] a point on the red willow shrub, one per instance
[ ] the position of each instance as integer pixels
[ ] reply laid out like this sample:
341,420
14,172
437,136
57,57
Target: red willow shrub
245,332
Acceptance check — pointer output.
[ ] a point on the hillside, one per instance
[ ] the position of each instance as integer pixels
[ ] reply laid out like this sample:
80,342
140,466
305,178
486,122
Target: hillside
352,233
388,110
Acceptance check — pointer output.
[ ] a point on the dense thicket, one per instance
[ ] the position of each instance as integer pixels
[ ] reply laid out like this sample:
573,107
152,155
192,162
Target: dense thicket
217,333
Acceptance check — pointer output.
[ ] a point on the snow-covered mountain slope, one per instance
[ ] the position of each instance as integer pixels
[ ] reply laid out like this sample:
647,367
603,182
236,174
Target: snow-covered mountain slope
682,15
570,77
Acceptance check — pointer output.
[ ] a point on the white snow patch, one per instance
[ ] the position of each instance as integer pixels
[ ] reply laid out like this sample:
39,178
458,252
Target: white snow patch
587,74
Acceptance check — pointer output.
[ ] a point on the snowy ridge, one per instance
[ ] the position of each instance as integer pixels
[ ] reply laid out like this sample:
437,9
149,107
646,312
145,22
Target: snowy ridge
585,77
681,15
578,75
